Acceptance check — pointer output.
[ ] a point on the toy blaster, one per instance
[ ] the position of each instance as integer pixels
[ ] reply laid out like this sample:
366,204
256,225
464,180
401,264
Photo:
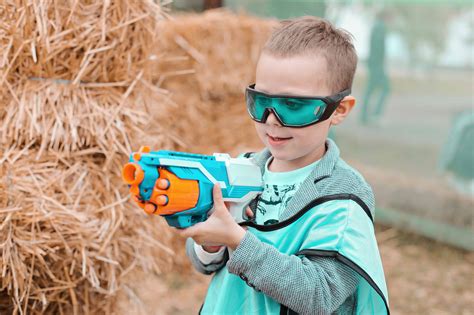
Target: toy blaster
178,185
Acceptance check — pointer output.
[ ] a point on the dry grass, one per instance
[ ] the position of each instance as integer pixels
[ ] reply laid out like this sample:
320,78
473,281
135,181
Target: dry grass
68,233
76,91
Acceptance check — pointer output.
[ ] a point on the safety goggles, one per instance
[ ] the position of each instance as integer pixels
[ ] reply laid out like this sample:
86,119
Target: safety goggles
291,111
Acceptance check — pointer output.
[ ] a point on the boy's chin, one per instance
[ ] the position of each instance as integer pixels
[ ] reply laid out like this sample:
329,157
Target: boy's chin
282,155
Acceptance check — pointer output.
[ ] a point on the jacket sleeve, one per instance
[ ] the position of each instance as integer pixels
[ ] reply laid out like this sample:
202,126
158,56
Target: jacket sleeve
201,267
319,285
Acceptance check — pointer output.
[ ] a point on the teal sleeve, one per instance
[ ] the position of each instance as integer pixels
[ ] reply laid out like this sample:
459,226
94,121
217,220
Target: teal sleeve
306,285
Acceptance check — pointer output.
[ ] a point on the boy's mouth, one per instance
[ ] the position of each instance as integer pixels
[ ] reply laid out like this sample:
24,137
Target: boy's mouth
277,140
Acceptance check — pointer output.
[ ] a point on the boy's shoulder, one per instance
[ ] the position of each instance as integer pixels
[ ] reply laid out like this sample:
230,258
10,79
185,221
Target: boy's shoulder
343,172
345,179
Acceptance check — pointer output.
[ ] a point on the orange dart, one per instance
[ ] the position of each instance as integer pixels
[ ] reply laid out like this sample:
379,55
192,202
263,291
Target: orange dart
137,156
150,208
145,149
161,200
162,183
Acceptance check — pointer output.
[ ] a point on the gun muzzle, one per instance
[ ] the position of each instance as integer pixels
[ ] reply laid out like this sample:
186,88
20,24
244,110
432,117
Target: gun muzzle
132,174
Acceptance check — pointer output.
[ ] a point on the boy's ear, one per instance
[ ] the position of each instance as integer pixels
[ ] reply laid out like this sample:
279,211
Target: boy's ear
343,110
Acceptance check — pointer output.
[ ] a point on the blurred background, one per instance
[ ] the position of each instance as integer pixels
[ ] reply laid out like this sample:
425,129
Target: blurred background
84,84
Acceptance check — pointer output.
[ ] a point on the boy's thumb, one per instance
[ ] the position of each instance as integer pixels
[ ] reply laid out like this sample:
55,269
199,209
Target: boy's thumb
217,195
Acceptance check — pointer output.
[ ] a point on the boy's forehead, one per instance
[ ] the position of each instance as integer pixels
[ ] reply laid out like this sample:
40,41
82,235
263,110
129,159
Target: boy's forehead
304,75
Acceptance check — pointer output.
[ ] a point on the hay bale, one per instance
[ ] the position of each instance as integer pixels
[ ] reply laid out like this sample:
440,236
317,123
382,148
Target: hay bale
77,75
221,47
81,41
65,118
68,233
77,88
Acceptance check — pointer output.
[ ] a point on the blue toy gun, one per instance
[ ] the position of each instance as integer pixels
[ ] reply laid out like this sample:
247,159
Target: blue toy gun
178,185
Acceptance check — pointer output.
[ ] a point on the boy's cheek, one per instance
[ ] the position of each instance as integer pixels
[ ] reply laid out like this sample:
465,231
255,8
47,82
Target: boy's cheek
313,132
260,131
258,126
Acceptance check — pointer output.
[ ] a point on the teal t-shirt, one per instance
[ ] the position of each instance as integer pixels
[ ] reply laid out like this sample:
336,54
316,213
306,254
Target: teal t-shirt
279,188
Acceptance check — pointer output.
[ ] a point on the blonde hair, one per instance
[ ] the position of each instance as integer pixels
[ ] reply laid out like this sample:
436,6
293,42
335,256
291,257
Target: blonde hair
309,35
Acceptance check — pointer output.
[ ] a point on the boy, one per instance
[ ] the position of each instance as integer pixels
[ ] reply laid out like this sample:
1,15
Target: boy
310,246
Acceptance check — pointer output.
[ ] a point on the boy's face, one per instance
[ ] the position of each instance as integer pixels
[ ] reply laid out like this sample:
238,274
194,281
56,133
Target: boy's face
300,76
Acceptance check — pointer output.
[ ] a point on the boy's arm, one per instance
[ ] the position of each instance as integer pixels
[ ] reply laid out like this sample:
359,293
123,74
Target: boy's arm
204,262
316,285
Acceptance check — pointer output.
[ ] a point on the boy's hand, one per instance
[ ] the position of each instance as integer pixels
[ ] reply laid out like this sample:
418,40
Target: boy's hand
215,249
219,229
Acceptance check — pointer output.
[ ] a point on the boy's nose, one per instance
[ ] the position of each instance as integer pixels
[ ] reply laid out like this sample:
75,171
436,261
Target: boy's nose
272,120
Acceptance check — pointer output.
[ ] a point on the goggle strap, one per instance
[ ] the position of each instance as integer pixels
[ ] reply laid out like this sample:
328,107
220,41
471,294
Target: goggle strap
333,103
329,110
339,96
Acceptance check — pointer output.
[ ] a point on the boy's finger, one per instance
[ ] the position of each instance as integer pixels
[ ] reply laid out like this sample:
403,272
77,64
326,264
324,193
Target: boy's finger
189,232
249,212
182,233
217,196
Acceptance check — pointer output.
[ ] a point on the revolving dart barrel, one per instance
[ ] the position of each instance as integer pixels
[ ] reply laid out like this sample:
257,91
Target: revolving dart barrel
168,195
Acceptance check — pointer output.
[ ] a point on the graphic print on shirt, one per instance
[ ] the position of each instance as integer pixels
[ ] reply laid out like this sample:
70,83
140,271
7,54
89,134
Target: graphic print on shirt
273,201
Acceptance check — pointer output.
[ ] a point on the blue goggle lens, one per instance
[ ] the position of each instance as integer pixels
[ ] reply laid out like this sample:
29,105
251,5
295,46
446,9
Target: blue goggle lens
292,112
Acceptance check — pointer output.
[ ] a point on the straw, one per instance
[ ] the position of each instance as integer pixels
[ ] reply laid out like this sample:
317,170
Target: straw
71,249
